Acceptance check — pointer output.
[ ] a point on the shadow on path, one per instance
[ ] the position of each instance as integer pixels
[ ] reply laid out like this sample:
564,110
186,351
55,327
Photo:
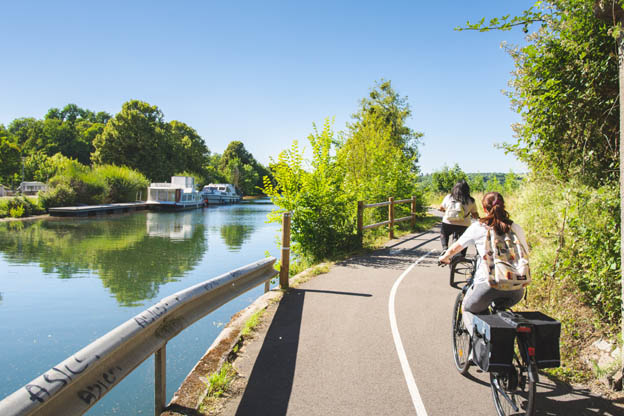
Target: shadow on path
271,379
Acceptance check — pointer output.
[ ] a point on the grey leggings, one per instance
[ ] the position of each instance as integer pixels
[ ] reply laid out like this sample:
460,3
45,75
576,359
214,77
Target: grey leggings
479,297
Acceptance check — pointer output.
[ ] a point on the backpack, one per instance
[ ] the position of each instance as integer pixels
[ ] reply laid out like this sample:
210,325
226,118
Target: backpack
455,212
506,260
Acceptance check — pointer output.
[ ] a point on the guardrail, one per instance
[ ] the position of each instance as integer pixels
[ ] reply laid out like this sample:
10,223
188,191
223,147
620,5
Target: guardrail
391,220
76,384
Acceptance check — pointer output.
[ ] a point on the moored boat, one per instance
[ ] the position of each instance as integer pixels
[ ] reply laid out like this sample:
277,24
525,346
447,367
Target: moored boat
220,193
180,194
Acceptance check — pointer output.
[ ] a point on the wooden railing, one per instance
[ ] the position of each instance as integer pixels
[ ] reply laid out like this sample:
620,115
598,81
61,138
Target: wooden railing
391,220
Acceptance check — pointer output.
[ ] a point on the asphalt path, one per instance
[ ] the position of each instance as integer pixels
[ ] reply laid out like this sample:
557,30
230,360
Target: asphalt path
373,337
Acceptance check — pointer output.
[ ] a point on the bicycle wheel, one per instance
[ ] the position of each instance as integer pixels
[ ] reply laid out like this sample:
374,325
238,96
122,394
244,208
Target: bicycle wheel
461,338
461,270
513,391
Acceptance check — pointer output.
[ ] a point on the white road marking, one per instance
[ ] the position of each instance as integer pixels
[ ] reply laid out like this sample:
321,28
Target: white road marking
407,371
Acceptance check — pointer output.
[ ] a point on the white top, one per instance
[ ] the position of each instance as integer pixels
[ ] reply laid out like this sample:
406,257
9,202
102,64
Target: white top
475,234
469,208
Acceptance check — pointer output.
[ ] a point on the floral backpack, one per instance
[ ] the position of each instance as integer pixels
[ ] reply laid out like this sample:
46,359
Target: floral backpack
507,261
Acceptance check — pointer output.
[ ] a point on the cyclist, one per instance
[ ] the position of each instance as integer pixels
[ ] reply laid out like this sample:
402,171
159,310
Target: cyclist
481,295
458,207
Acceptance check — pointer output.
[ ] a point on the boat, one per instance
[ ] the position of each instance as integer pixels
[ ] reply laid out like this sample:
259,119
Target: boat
180,194
220,193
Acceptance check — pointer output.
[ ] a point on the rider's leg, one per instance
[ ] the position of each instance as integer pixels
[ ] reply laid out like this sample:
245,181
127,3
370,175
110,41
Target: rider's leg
445,232
481,295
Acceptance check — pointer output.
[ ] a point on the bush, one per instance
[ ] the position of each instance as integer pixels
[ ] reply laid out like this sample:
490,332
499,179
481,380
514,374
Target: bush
61,195
574,233
123,183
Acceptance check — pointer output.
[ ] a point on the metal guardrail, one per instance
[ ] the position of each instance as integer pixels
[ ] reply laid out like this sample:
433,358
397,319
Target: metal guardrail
76,384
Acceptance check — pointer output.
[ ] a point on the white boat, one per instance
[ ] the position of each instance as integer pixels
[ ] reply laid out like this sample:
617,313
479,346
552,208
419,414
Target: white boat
220,193
178,195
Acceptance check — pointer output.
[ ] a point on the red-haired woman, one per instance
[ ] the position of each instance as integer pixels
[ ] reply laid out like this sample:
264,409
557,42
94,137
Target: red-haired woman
481,294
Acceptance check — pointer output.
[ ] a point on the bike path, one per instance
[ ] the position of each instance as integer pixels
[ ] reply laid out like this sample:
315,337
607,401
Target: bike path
329,348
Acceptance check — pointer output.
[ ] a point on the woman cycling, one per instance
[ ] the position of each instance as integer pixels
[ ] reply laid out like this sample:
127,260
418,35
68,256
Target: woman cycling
481,294
458,207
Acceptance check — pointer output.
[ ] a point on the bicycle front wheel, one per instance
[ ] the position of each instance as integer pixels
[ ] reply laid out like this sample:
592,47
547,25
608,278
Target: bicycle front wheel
461,337
461,271
513,391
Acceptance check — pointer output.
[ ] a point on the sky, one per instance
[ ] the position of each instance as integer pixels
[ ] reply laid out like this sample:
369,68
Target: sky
264,72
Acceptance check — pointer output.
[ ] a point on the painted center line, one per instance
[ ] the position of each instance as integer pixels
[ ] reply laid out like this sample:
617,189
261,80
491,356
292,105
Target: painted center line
407,371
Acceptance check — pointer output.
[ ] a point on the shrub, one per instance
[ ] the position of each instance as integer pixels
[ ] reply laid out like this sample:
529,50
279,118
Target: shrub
123,183
17,212
61,195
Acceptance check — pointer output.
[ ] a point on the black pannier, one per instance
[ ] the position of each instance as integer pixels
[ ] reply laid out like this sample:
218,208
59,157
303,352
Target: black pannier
547,332
492,343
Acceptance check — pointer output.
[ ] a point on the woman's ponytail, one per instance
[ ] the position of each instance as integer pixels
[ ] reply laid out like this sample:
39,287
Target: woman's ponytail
496,216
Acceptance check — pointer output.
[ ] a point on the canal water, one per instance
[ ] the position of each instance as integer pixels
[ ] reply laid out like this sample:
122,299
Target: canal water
66,282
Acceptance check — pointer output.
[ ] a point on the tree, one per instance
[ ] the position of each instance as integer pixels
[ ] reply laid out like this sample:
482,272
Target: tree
240,168
386,112
137,138
9,157
191,153
565,87
445,179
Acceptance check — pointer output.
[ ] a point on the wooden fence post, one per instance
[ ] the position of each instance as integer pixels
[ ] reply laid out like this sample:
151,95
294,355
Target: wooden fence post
160,380
413,213
360,220
285,262
391,217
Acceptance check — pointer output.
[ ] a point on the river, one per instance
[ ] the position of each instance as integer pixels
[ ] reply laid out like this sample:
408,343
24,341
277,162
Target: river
66,282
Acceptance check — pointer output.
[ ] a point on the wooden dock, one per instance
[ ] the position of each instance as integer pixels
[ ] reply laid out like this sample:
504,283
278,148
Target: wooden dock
89,210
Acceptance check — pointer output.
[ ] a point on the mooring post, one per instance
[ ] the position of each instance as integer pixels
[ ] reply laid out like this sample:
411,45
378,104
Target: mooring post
285,262
391,217
413,213
360,220
160,380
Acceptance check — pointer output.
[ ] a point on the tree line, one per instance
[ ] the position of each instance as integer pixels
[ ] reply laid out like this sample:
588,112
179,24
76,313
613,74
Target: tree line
138,138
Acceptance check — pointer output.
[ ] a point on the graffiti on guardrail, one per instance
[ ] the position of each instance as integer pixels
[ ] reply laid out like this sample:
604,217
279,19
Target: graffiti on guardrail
151,314
95,391
56,376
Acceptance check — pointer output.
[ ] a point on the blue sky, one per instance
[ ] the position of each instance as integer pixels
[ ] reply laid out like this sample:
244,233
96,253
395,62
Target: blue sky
263,72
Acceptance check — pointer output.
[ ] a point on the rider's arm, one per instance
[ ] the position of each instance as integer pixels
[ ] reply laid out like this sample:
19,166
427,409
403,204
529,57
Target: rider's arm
452,250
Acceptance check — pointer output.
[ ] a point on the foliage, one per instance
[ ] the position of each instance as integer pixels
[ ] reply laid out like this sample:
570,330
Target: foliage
139,138
78,184
219,381
444,179
574,233
566,90
238,167
386,112
19,206
9,157
322,213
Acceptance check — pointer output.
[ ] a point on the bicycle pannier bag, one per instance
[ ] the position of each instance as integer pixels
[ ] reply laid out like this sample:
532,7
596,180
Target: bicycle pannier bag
455,212
492,343
507,261
547,332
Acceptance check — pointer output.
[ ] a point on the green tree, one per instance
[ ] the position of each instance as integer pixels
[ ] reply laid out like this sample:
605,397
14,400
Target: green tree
137,137
9,157
191,153
322,220
445,179
240,168
386,112
565,87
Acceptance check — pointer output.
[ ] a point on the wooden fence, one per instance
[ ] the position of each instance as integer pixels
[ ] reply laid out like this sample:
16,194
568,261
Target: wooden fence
391,220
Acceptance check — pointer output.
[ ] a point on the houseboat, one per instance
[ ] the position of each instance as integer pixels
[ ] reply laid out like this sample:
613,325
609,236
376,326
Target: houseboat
180,194
220,193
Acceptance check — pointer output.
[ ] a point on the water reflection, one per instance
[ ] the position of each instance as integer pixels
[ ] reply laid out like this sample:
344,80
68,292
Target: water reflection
234,235
133,255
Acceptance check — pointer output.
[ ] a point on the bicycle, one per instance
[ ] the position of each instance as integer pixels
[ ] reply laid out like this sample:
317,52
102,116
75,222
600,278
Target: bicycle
517,382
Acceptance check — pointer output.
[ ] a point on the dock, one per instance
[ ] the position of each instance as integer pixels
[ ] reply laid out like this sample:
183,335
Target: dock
89,210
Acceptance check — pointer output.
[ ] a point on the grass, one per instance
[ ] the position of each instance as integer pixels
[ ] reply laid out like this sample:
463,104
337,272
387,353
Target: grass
219,381
251,323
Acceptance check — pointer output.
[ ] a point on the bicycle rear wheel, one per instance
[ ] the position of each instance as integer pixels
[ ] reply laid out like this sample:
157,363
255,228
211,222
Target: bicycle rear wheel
461,270
513,391
461,337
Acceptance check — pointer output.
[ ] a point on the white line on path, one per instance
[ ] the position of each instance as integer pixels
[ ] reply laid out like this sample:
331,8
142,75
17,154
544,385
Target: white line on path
407,371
